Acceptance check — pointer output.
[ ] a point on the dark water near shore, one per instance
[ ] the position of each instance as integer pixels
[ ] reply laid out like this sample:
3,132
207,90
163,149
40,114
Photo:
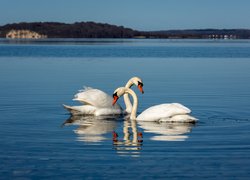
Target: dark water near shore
39,140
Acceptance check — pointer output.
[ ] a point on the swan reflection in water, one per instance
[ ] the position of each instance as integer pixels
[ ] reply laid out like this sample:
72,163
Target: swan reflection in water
129,142
92,128
163,131
130,139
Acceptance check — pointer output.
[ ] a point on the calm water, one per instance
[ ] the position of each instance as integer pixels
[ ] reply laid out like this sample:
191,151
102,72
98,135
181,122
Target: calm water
39,139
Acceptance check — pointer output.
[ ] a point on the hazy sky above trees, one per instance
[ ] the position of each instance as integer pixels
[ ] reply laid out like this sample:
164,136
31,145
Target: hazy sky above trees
136,14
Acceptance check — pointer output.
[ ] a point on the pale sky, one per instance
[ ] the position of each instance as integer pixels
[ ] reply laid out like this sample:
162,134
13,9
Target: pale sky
136,14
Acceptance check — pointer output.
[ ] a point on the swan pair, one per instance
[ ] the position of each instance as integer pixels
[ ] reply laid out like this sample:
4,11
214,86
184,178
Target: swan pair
99,103
173,112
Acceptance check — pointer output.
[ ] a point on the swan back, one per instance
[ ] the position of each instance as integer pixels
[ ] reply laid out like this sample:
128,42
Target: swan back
162,111
96,98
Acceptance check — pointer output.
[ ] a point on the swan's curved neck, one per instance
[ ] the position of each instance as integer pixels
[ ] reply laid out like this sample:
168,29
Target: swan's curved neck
135,103
126,97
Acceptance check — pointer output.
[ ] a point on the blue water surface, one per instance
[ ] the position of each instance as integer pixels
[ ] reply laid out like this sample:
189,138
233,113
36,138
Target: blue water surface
40,140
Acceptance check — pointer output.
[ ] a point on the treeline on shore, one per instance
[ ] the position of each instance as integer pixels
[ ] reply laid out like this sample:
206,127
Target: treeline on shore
76,30
103,30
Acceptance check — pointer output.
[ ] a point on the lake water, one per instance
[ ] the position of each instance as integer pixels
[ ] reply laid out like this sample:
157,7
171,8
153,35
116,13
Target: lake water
39,139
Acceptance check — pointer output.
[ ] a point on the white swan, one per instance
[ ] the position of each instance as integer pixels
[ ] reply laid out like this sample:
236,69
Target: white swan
172,112
98,103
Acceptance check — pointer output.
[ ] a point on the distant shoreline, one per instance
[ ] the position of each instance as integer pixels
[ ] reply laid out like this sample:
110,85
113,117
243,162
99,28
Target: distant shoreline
49,30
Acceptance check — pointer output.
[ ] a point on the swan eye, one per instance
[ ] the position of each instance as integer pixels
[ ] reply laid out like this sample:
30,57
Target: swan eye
140,84
115,95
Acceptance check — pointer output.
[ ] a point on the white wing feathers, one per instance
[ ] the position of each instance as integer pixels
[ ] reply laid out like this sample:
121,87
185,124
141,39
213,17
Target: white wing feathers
94,97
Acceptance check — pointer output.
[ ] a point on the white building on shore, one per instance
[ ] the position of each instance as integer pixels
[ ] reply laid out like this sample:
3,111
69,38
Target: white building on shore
24,34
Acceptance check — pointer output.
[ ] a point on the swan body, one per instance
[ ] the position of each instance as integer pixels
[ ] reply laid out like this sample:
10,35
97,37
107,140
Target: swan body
98,103
92,110
165,112
171,112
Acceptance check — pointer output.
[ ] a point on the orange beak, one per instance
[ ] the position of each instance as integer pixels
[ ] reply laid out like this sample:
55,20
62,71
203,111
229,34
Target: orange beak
115,99
140,88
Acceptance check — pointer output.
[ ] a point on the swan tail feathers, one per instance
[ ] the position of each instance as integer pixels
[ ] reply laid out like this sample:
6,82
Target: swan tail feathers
71,109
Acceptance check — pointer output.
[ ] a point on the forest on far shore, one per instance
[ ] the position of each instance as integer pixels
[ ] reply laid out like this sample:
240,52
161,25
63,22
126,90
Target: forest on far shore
104,30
